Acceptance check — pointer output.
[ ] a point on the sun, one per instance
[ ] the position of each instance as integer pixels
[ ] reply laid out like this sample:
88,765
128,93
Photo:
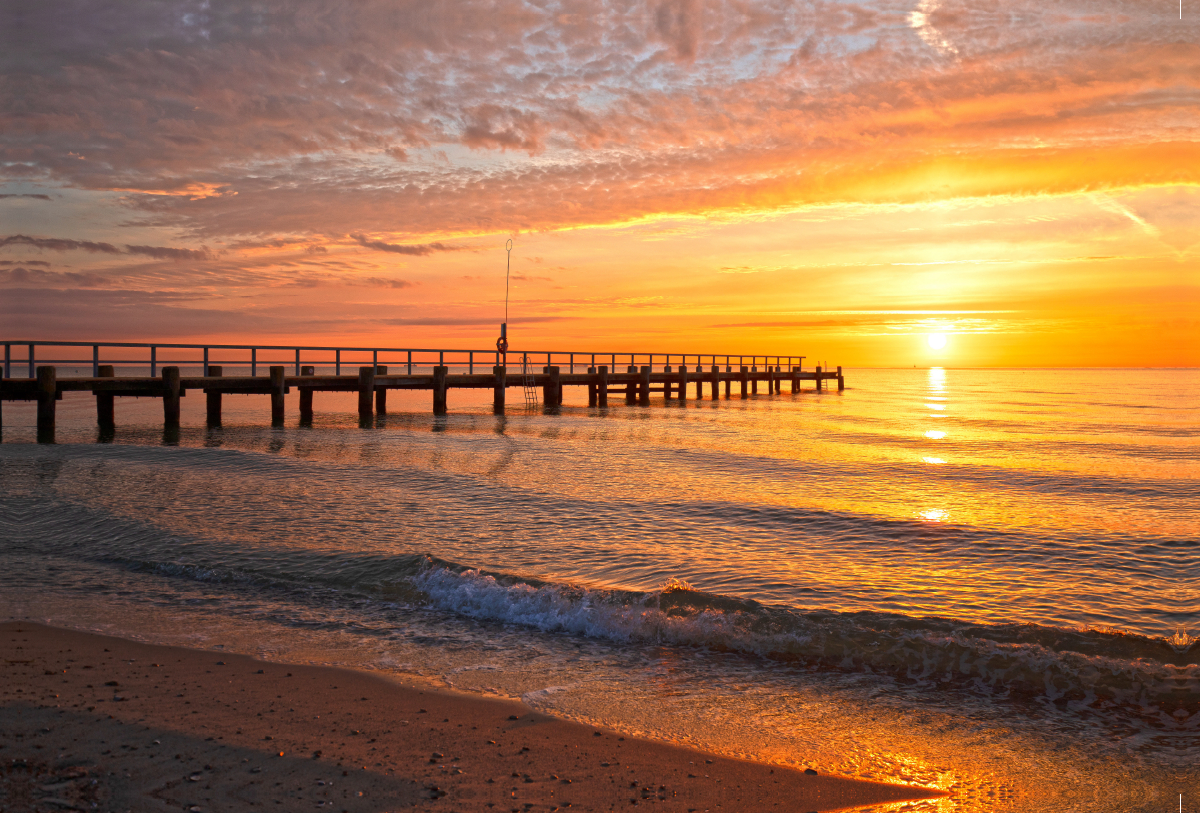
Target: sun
937,340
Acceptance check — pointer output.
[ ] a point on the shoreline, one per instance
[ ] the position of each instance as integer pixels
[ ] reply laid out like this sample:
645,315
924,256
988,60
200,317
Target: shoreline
91,719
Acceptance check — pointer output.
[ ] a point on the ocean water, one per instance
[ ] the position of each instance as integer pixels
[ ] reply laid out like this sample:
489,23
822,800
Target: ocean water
982,581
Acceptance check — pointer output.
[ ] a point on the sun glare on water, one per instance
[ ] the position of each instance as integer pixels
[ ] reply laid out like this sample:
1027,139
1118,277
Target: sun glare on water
937,340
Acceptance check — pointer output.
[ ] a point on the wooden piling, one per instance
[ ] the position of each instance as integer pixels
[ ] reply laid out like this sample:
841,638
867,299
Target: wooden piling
754,380
171,394
818,379
500,374
716,382
631,387
439,389
602,385
212,397
47,395
682,380
380,393
745,381
729,380
106,417
277,391
553,390
841,381
644,387
699,383
366,391
306,397
667,384
770,380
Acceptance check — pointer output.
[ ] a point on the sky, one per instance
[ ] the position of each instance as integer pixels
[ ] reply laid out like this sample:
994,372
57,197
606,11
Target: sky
839,180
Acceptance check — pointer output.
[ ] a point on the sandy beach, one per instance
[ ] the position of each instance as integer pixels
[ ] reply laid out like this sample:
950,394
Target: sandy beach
93,722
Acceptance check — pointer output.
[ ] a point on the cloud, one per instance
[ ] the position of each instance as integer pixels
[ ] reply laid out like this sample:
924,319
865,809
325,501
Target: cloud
161,253
60,244
396,248
30,196
20,275
490,126
239,122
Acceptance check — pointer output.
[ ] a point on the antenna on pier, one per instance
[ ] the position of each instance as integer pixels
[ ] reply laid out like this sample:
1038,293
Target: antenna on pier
502,342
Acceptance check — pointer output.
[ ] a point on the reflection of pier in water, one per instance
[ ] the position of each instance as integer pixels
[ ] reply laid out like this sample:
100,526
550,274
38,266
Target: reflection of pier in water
740,375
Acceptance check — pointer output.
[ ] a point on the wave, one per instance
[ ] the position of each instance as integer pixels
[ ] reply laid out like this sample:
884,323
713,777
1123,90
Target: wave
1088,666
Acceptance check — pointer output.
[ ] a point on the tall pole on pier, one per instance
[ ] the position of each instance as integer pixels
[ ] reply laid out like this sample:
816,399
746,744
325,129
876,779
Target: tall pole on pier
502,342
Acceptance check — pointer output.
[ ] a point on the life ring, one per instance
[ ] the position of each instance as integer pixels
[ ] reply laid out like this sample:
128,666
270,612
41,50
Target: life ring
502,344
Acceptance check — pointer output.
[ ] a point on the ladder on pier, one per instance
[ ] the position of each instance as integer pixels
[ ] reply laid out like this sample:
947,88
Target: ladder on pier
531,395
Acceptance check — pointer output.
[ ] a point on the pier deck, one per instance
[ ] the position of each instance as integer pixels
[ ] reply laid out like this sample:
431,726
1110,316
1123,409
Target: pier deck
633,384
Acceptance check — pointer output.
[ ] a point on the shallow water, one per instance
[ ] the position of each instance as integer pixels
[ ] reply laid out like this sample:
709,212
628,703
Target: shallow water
985,581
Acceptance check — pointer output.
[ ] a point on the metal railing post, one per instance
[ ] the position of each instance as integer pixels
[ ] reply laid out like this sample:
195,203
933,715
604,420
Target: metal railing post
410,362
374,358
95,361
471,362
153,361
205,372
8,361
337,362
32,372
253,361
297,361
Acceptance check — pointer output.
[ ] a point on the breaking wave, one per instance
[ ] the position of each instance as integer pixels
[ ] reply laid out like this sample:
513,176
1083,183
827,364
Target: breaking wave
1083,666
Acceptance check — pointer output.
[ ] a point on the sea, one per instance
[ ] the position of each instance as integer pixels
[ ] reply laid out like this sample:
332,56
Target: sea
982,581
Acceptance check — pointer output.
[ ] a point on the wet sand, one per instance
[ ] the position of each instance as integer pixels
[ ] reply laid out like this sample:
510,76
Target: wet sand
92,722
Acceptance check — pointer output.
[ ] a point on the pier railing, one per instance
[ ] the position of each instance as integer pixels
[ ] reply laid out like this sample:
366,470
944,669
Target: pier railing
132,358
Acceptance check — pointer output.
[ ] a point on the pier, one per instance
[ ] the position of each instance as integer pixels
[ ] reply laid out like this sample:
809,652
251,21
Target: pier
541,376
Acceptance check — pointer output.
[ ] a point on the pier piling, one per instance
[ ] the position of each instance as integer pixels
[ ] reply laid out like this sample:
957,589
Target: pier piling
841,381
500,374
366,392
212,397
602,385
552,391
631,387
439,389
818,379
278,388
306,397
644,387
171,395
47,394
716,382
380,393
745,381
682,382
106,417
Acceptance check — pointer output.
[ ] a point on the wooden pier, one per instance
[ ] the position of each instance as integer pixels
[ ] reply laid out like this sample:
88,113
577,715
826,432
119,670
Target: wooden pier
634,384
